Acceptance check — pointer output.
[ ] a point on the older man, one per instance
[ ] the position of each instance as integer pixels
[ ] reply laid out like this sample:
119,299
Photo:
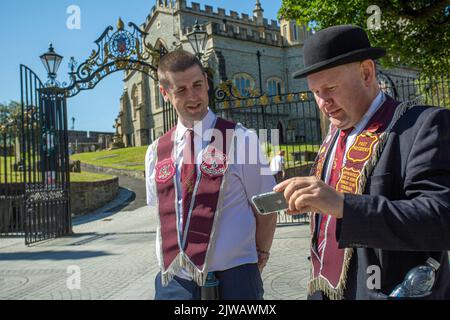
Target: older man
380,187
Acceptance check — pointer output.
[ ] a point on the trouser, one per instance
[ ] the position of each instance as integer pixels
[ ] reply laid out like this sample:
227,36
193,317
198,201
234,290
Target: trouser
239,283
278,177
318,295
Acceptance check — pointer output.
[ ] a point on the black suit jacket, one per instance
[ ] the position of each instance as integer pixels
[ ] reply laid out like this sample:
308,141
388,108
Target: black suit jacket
403,217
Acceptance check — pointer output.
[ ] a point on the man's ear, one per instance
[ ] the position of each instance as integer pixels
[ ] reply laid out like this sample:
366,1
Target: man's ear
164,93
206,80
367,71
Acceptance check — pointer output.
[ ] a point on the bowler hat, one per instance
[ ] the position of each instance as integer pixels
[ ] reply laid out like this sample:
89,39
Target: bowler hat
336,46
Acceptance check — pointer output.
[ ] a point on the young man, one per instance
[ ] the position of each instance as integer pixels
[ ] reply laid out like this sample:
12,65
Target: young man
380,188
202,193
277,166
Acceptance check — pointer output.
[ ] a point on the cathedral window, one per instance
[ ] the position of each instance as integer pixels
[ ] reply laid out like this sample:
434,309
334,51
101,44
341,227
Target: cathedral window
294,31
244,83
274,86
135,100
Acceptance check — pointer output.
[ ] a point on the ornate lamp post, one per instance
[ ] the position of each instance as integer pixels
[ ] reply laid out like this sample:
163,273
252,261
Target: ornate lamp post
46,165
51,61
198,38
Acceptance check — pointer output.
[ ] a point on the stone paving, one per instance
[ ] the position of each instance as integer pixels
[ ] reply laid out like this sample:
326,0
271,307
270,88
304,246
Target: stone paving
114,254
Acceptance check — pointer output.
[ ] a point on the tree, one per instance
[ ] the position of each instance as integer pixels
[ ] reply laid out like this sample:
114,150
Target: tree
415,33
10,117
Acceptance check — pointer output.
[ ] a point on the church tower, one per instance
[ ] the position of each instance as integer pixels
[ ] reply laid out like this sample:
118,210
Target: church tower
258,13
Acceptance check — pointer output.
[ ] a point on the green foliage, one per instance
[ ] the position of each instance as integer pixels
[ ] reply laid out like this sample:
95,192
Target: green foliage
10,117
415,33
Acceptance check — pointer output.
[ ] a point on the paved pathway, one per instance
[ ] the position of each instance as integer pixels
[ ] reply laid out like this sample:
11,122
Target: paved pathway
114,253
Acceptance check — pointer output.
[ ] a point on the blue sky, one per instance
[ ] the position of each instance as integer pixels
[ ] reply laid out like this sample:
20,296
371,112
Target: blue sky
28,26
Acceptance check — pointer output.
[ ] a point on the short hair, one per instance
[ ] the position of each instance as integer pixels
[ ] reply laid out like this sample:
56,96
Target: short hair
176,61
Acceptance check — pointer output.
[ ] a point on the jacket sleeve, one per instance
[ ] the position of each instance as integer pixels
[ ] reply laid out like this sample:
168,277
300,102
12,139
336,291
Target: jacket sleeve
421,221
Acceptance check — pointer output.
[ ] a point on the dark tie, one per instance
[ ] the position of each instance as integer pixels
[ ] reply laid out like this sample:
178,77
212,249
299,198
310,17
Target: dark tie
188,173
334,175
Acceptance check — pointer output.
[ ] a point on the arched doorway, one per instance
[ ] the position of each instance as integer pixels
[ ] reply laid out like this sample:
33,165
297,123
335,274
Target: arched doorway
281,132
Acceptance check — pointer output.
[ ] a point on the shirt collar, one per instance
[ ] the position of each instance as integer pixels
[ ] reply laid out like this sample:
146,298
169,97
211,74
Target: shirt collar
376,103
199,126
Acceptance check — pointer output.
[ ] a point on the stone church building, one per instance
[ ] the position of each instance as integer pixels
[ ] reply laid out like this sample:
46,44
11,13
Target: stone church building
236,41
249,50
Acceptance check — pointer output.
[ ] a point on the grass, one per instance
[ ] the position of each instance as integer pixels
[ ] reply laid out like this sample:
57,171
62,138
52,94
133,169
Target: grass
290,161
89,177
290,148
74,177
16,177
126,158
133,158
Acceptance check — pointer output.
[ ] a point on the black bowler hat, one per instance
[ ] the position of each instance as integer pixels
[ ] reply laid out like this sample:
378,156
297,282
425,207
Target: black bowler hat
336,46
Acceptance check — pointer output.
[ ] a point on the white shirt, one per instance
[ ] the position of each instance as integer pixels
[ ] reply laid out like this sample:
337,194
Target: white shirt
276,165
235,242
357,129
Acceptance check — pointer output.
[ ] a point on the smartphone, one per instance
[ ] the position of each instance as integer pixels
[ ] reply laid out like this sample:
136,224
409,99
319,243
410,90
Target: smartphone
269,202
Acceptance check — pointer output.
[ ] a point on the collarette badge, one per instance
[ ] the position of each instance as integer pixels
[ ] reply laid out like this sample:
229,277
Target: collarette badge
165,170
214,163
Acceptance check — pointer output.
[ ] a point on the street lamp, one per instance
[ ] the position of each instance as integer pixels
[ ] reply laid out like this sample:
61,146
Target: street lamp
51,61
198,38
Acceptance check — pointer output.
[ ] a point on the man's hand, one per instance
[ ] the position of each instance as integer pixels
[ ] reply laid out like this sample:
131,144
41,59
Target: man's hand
309,194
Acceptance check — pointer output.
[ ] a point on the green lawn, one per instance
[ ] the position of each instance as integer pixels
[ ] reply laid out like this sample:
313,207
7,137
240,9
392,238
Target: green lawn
133,158
89,177
290,151
126,158
74,177
290,148
16,176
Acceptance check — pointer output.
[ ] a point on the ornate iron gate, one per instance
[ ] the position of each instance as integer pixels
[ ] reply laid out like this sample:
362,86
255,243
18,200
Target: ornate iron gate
36,197
44,160
12,188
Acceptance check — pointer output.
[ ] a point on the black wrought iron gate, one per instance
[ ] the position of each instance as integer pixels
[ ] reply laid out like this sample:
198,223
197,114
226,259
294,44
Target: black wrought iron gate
35,184
44,159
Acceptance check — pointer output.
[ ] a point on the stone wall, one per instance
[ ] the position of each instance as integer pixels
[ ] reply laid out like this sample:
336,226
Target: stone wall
130,173
85,197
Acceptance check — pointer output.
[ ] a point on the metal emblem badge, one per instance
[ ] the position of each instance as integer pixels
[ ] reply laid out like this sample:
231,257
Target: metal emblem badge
121,44
214,163
165,170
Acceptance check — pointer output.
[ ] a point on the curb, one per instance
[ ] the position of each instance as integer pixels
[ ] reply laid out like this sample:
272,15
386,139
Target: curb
107,210
121,172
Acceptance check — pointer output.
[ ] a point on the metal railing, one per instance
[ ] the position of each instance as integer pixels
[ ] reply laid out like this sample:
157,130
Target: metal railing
291,122
12,188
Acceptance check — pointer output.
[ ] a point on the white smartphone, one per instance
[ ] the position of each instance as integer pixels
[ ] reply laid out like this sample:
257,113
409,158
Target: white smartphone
269,202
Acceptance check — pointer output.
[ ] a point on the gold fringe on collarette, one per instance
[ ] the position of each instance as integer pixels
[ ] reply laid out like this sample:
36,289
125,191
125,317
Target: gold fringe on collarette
320,283
182,261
